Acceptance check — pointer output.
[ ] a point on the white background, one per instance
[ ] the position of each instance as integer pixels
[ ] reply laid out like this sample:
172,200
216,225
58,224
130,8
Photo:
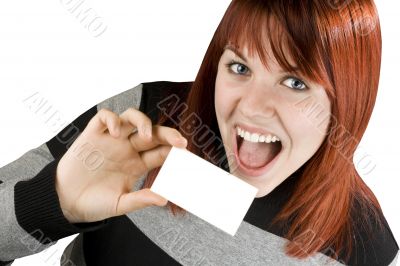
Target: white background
45,49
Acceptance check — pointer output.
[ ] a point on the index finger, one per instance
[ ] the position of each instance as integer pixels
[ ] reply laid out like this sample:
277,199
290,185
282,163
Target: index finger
162,135
135,119
103,120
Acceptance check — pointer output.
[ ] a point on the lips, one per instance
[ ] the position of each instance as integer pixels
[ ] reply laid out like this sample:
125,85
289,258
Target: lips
246,170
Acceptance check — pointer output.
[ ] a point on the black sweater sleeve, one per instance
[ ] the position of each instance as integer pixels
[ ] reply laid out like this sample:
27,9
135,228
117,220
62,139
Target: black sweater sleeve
47,222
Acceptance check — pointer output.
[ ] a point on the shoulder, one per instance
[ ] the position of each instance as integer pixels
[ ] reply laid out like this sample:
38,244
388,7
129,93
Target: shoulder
168,85
155,92
374,243
161,95
144,96
120,102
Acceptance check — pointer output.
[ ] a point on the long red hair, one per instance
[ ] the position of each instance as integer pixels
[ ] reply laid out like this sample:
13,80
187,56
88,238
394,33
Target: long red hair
336,44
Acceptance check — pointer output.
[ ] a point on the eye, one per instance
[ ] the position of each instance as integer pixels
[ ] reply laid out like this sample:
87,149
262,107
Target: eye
237,68
295,83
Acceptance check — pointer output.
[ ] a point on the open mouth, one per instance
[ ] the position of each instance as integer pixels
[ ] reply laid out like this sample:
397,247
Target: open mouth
255,157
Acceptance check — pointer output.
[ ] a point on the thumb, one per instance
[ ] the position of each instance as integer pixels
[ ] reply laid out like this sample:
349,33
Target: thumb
136,200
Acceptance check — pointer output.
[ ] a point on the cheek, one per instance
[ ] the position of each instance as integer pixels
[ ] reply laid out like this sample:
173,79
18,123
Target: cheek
306,134
225,97
307,127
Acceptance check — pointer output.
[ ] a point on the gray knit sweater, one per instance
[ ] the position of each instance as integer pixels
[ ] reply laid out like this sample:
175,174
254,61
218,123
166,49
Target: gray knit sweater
32,220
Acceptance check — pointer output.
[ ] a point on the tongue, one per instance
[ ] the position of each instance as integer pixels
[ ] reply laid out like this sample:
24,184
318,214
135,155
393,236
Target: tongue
255,155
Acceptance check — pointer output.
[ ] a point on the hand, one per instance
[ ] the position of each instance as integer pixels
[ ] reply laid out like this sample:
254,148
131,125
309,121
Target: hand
95,176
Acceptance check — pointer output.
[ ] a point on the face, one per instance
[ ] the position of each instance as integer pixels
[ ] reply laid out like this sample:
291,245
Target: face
264,102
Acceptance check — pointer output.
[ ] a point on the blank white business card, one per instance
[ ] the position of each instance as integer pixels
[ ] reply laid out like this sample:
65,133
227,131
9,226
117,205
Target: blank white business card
204,189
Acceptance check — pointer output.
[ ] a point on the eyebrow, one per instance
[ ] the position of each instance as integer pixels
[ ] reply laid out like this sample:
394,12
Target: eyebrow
236,51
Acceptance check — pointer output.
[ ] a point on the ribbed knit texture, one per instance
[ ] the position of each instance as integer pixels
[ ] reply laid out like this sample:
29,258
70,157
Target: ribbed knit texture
38,209
4,263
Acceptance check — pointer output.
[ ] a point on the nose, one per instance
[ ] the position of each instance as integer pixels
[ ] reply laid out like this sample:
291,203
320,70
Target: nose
258,102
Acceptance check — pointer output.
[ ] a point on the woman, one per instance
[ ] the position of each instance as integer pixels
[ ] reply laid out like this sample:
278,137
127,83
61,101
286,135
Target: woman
281,100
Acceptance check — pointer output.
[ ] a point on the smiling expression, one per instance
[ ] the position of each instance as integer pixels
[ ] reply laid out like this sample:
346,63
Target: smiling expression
262,99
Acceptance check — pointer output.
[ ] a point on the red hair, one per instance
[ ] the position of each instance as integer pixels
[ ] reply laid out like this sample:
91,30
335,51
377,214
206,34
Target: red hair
336,44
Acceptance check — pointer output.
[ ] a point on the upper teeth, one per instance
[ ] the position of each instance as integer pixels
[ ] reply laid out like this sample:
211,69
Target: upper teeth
254,137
